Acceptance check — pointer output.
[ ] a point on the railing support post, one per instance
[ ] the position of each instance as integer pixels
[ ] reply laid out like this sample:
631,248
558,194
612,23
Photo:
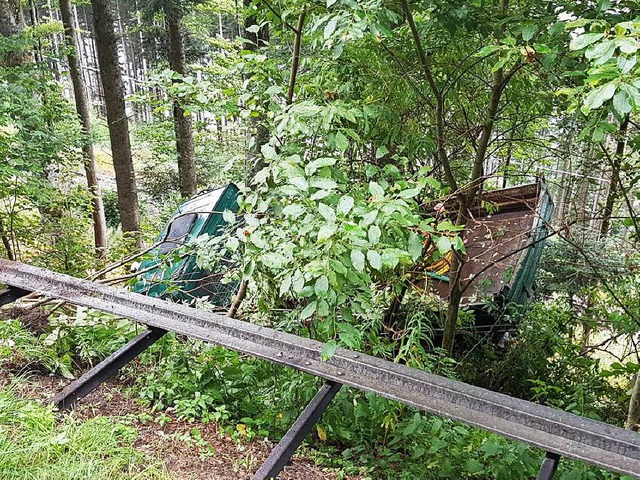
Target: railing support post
283,452
11,294
106,369
549,466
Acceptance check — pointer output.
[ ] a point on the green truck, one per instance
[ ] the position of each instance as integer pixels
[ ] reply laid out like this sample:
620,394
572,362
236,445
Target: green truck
170,270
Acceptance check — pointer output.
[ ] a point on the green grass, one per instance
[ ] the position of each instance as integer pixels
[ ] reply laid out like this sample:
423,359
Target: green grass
36,446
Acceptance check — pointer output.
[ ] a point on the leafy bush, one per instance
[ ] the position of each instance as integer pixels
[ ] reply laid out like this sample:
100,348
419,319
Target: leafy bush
360,433
60,343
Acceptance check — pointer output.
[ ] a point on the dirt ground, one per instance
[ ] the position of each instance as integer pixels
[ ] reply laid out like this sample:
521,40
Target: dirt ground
191,451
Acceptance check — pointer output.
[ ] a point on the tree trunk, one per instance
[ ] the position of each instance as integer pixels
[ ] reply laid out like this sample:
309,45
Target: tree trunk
477,179
564,185
295,58
583,189
10,25
614,186
117,121
6,242
258,133
183,124
82,107
633,418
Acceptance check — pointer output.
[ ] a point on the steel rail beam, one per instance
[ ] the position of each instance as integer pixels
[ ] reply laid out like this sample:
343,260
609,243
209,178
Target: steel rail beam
554,431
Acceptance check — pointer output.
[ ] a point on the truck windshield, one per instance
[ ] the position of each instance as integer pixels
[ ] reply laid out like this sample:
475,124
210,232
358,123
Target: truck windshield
179,229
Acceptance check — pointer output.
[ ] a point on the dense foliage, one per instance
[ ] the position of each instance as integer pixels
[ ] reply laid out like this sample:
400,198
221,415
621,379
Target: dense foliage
347,126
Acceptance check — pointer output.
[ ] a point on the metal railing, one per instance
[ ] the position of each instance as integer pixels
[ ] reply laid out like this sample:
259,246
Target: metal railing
559,433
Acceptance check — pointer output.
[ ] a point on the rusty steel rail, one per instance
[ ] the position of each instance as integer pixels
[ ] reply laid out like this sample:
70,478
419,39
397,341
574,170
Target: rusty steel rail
554,431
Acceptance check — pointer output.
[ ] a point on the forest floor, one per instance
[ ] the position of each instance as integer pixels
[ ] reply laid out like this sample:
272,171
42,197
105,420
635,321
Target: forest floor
189,450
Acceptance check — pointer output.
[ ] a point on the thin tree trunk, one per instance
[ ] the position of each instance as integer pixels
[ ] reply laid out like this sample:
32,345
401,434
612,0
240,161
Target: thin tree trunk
614,186
564,185
295,59
182,123
257,134
477,179
633,417
6,242
33,17
117,118
582,204
10,26
82,107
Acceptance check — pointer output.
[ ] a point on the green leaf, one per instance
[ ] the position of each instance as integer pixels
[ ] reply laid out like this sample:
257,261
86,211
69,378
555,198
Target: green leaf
300,183
322,285
253,28
375,189
599,95
443,244
632,91
621,103
248,270
349,335
474,466
326,232
320,194
374,258
626,64
584,40
285,285
330,27
627,45
487,50
297,283
262,175
601,52
345,204
329,350
323,183
491,448
313,166
415,246
338,266
390,258
528,31
228,216
409,193
501,63
268,152
342,143
381,151
579,23
458,244
374,234
273,260
357,260
308,310
369,218
233,243
327,212
273,90
294,210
